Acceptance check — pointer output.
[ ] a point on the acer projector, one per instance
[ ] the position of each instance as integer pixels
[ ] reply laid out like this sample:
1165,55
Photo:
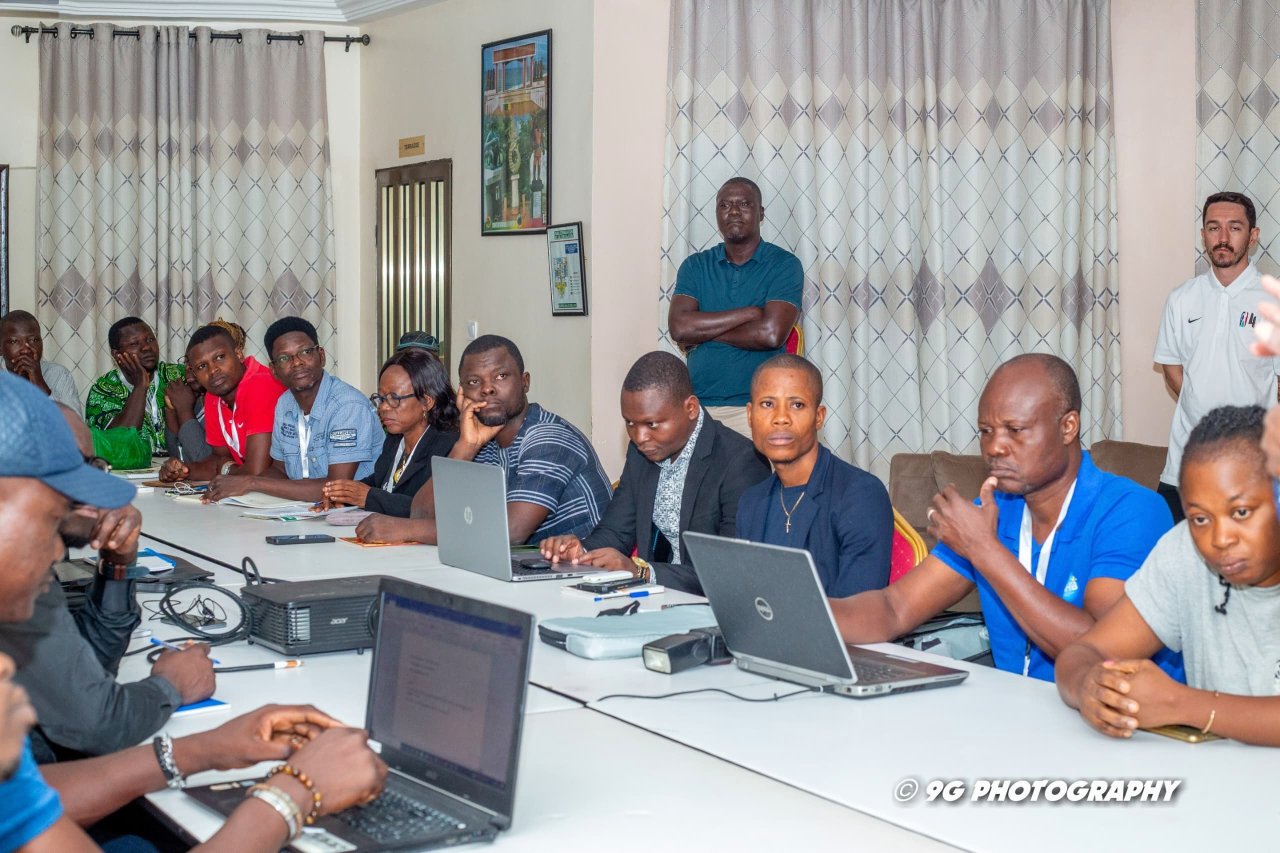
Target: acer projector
310,617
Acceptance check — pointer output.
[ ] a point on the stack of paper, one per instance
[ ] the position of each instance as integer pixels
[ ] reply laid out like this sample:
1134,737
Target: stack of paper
294,512
257,500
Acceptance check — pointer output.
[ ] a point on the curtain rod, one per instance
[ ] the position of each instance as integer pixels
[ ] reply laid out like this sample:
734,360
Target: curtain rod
28,32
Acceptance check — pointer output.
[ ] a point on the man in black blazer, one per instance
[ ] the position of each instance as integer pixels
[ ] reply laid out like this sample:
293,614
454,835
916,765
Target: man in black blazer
684,471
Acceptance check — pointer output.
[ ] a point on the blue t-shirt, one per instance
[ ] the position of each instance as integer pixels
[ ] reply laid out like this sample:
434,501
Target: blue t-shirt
722,373
344,428
1111,526
551,464
29,806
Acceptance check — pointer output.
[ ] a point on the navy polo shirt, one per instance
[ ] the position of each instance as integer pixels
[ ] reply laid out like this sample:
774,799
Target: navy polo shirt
1111,526
722,373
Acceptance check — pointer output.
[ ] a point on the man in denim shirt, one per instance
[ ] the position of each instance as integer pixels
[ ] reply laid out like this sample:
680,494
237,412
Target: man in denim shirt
324,428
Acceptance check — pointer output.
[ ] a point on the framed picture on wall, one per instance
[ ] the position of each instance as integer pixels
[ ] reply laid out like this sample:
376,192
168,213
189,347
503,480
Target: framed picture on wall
568,270
515,135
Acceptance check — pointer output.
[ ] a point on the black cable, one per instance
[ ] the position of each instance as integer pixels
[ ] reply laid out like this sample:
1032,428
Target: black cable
168,607
774,698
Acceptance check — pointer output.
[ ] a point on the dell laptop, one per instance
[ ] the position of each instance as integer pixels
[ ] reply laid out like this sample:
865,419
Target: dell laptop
471,525
446,704
776,621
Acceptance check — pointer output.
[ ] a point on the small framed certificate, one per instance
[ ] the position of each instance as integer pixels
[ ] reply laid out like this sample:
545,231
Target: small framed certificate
567,270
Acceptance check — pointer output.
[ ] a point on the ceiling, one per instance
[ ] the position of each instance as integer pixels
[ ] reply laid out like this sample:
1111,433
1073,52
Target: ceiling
302,11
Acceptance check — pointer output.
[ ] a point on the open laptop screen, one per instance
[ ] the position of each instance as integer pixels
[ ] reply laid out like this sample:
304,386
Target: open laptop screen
446,696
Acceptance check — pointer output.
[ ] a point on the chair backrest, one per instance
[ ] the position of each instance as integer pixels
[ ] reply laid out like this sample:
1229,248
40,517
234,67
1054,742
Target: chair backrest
908,548
795,341
1142,463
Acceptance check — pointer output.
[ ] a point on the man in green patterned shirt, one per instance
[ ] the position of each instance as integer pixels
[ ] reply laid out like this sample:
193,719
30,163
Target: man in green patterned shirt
132,395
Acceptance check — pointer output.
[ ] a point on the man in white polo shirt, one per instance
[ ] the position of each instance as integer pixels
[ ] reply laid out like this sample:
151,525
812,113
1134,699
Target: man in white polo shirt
1203,345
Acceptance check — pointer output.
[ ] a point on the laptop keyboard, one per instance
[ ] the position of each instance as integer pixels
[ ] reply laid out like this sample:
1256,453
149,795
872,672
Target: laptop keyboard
880,672
396,817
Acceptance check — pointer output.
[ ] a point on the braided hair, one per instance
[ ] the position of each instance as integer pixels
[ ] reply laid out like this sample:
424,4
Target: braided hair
1225,429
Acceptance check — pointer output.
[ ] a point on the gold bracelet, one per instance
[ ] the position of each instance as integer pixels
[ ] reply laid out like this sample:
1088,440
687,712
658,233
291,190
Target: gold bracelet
1213,712
646,571
316,799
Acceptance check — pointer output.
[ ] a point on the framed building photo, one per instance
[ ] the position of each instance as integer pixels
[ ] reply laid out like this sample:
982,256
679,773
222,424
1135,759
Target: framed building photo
515,135
568,272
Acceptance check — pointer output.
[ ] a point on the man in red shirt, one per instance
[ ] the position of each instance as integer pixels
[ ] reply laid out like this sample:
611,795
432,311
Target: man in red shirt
239,419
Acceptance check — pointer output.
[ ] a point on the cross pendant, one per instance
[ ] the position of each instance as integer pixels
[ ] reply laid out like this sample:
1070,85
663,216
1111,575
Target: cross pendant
788,525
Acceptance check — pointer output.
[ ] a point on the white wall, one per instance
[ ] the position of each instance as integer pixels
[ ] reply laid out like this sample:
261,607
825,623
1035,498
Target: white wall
19,104
1153,60
422,76
626,204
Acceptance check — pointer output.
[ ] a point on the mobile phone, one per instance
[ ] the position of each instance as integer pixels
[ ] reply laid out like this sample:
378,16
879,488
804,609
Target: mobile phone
1189,734
301,539
536,564
611,586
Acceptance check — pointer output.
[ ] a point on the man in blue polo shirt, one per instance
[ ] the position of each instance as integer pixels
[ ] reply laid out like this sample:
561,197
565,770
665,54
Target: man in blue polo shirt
324,428
734,305
1049,542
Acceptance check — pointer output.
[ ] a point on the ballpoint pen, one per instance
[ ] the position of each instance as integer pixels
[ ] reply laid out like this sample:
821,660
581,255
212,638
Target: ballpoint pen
156,641
640,593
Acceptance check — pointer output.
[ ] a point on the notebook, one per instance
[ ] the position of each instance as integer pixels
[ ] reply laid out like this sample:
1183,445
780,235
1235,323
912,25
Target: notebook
776,621
471,525
446,704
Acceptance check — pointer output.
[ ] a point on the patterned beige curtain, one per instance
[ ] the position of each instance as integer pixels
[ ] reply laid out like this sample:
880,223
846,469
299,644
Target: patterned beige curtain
180,179
1238,147
944,171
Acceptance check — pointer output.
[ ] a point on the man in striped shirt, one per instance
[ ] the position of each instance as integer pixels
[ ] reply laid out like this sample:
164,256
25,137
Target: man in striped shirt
555,484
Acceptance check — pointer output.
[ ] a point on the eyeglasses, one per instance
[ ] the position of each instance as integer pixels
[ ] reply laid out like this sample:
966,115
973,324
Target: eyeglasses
285,359
98,462
392,400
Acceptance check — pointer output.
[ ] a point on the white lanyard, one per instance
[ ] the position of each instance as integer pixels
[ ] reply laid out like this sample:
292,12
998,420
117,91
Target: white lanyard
1041,570
233,437
304,441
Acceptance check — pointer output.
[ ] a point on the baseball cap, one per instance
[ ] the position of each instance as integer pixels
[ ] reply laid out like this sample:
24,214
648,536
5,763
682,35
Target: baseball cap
421,340
36,442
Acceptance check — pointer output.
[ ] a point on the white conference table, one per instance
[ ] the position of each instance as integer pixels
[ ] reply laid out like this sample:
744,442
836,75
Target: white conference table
849,752
585,779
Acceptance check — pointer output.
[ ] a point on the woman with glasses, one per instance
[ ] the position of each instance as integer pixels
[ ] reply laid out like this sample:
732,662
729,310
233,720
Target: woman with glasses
417,407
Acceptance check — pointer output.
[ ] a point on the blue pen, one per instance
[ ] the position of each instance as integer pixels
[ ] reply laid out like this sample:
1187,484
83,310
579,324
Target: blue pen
642,593
168,645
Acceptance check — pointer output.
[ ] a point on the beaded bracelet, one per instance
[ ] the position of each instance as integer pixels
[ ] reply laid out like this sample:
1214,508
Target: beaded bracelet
306,782
282,803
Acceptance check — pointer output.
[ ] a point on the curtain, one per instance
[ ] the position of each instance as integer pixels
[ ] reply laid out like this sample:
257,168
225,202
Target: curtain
945,173
1238,144
180,179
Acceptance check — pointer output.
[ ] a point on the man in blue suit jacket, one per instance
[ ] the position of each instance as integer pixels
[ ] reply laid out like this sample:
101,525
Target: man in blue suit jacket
839,513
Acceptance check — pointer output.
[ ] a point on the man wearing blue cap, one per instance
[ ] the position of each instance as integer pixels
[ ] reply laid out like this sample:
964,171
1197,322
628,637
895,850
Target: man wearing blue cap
41,478
67,662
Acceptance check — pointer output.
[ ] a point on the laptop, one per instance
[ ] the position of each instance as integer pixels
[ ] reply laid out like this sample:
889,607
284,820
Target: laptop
776,621
471,526
446,703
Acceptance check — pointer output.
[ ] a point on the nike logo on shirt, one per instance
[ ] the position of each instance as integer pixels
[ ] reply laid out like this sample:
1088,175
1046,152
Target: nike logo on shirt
1189,320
